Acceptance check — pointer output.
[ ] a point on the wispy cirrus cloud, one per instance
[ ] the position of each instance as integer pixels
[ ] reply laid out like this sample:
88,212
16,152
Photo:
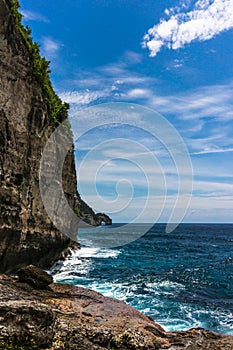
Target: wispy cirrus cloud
207,102
50,47
34,16
203,116
82,97
215,150
206,20
219,142
108,83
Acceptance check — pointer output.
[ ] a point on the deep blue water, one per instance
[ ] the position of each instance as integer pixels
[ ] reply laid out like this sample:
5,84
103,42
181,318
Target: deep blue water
183,279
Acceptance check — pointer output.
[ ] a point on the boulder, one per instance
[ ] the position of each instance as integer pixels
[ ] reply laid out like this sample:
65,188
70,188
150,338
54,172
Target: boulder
34,276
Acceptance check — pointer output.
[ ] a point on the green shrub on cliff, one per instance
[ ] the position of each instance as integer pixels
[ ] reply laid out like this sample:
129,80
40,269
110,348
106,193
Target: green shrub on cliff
15,7
77,211
56,109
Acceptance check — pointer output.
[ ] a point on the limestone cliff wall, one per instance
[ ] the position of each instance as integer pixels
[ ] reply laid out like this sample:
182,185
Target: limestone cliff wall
26,232
27,235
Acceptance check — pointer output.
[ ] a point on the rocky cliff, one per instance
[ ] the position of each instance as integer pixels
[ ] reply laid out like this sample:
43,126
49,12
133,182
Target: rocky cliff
34,312
29,113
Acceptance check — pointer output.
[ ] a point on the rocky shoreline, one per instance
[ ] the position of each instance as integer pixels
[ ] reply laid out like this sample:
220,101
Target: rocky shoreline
36,313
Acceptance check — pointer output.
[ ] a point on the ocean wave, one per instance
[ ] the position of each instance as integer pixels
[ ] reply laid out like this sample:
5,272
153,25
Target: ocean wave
87,252
161,278
79,263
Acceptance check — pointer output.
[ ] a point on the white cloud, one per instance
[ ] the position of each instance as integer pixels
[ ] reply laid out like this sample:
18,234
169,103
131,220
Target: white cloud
213,101
83,97
215,208
206,20
139,93
50,47
108,82
117,73
132,57
215,150
34,16
213,189
208,108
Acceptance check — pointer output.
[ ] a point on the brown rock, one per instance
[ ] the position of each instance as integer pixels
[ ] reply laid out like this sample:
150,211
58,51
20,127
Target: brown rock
34,276
24,319
86,320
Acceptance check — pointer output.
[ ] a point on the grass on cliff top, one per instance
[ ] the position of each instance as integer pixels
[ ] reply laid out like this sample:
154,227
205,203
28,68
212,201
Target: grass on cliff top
56,109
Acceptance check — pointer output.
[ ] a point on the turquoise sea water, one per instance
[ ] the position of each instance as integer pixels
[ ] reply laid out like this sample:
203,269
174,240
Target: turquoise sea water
183,279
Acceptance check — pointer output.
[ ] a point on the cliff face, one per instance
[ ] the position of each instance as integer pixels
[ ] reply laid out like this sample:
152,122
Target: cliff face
27,235
26,232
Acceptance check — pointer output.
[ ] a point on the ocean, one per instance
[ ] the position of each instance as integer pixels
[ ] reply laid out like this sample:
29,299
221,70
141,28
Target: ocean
182,279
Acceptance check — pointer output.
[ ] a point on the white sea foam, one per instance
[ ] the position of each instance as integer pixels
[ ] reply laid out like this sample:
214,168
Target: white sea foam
87,252
79,264
164,286
116,290
196,317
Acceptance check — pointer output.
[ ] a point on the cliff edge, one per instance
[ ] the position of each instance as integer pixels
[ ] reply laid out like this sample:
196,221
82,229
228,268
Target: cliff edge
29,113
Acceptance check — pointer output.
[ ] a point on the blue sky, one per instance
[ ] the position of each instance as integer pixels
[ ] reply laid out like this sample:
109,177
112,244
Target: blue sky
174,57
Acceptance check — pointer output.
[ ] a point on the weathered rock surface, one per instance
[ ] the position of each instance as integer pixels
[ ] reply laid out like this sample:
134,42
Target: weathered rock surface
27,234
26,318
68,317
100,218
34,276
87,215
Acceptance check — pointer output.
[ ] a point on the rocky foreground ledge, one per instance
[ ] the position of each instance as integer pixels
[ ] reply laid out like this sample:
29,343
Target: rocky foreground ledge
36,313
